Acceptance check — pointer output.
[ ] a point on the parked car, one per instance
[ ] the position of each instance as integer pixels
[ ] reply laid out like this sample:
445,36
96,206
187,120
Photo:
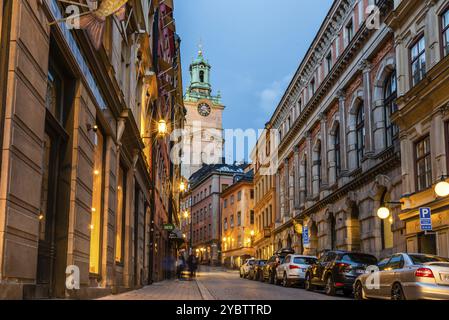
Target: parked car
337,270
244,269
293,269
406,277
269,270
256,270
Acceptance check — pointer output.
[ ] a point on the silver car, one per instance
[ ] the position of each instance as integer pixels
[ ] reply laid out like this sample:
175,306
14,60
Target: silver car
405,276
293,269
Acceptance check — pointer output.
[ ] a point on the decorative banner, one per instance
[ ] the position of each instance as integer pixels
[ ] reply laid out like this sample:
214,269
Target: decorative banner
94,23
305,237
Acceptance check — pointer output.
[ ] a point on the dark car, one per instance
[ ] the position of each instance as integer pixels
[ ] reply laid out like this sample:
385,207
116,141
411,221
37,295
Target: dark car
337,270
256,270
269,270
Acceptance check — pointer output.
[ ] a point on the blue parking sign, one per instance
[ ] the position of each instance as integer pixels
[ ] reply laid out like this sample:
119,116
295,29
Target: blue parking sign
425,217
305,236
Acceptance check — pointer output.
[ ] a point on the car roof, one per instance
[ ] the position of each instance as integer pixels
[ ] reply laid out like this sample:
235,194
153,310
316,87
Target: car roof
302,256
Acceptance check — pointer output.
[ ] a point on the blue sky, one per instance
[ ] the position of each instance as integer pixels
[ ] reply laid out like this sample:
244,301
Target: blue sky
254,47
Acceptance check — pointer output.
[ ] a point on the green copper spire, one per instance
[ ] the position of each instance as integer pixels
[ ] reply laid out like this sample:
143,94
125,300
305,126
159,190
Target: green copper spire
200,86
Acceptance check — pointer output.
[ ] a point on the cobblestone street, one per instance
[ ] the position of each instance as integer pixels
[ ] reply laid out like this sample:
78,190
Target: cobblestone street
218,284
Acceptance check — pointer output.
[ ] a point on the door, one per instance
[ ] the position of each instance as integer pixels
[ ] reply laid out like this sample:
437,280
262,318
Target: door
50,217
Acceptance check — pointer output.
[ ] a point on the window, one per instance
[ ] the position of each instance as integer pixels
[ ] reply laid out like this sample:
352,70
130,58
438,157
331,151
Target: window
312,87
232,221
232,199
224,187
225,203
251,193
239,196
300,105
418,62
337,151
121,205
318,164
328,65
386,228
390,94
225,224
396,262
251,217
97,191
349,32
201,76
305,177
445,24
423,164
360,132
239,219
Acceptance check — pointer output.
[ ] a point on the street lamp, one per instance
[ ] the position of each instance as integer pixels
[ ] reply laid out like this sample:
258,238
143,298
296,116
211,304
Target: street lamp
162,127
383,212
182,186
442,187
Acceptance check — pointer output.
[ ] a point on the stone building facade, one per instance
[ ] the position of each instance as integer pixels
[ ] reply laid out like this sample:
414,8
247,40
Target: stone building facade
265,195
422,49
238,221
339,153
85,184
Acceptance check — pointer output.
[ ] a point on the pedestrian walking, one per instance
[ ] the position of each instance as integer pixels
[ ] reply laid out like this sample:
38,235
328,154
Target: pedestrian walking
180,266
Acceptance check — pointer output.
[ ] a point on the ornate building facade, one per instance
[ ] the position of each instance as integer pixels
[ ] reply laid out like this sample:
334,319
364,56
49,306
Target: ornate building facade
421,31
238,220
86,184
339,152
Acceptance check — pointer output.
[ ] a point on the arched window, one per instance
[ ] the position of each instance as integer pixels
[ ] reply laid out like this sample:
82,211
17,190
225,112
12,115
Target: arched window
360,131
333,232
390,94
337,152
201,76
305,176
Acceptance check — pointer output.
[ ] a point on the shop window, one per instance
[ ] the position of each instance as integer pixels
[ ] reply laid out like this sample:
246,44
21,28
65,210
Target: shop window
97,191
120,218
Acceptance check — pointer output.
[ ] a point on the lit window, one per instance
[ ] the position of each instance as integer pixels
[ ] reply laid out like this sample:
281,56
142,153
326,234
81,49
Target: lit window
95,224
390,94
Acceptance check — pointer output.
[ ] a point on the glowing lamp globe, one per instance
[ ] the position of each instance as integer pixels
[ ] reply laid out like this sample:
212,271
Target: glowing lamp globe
383,213
442,189
162,127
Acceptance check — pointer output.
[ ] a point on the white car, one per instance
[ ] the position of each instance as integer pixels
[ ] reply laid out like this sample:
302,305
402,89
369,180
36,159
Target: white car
293,269
244,269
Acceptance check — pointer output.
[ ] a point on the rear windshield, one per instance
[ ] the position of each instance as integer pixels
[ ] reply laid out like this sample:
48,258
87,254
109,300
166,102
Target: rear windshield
360,258
422,258
307,261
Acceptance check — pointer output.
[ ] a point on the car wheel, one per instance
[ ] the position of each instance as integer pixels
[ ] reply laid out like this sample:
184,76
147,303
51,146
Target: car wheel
330,287
358,291
308,283
285,281
397,293
241,276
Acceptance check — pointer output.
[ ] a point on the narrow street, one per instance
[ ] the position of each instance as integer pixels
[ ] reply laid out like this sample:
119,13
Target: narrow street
219,284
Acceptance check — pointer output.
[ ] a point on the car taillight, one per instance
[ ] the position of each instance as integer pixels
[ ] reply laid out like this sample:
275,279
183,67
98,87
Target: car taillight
345,267
291,267
424,273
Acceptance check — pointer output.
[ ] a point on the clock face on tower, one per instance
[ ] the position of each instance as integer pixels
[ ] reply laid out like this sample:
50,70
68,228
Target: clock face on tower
204,109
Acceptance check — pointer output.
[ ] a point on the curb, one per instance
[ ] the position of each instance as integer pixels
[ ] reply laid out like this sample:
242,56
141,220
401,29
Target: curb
205,293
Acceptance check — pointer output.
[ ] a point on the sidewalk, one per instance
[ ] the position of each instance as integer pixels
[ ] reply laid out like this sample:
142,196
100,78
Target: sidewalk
165,290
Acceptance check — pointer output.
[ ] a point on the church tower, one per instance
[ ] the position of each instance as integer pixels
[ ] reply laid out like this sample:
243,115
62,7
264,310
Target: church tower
203,141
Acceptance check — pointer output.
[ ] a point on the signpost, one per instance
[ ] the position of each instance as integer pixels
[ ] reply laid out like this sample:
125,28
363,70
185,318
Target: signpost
425,217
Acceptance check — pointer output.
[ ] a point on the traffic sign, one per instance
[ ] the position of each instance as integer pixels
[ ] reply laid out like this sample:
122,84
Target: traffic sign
305,236
169,227
425,217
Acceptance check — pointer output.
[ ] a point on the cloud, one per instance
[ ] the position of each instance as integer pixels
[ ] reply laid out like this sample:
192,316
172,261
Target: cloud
270,96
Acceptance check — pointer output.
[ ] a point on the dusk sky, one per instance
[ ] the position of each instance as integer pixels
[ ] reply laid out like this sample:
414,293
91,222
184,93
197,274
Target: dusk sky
254,47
